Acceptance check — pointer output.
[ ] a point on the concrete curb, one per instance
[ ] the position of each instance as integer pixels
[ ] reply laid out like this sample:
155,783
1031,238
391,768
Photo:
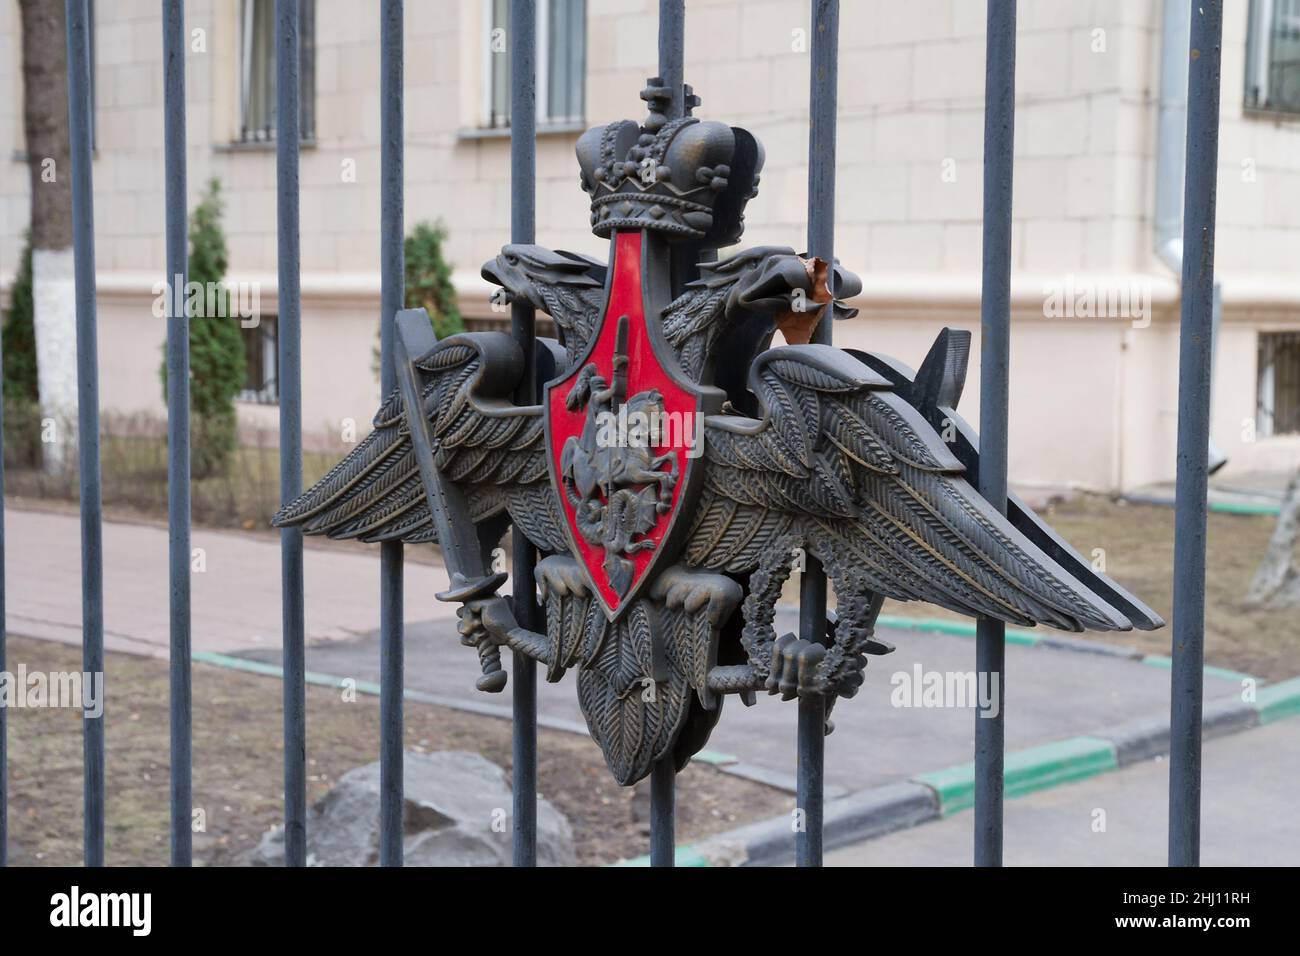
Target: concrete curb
1025,771
937,625
1220,506
1082,645
1277,701
879,810
1148,737
849,819
1166,663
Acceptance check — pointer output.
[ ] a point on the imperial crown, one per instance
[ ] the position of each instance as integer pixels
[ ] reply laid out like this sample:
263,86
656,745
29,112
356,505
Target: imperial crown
685,178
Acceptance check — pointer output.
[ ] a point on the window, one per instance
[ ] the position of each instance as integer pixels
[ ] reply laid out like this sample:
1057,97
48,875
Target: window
561,63
261,363
1279,383
1273,56
257,70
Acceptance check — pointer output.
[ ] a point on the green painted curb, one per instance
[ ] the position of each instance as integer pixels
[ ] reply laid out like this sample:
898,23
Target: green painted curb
686,856
1167,663
715,759
957,628
1277,701
1220,507
275,670
1025,771
1244,508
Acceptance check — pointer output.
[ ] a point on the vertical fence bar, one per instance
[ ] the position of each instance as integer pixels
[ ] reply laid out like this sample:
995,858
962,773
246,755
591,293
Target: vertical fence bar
392,295
672,41
822,105
663,812
995,347
663,775
92,541
4,637
522,42
1194,365
178,428
290,381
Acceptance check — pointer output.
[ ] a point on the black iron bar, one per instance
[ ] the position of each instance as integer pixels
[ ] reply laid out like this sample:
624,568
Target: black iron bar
290,389
4,636
995,347
391,298
92,523
392,295
178,428
663,775
663,807
672,40
823,97
522,43
1194,370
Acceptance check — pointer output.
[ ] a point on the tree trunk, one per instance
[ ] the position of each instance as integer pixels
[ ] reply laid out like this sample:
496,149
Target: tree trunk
45,126
1276,583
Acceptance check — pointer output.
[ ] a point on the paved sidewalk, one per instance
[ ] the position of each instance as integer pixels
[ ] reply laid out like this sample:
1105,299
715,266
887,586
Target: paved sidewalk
236,599
1248,815
1051,694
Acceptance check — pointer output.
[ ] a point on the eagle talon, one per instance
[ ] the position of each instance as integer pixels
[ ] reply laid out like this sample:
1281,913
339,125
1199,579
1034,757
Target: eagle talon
489,619
793,671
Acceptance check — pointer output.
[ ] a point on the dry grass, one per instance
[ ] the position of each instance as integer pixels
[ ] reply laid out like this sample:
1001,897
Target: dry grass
238,766
133,465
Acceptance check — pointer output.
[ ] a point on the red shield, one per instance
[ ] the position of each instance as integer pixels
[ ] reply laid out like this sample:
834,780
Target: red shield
623,429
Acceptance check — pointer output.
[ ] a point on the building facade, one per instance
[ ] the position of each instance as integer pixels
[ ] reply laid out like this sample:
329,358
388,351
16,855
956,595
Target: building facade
1095,309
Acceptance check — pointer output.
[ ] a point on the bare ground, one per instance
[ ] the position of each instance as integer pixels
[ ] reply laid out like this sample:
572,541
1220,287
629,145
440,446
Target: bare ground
238,767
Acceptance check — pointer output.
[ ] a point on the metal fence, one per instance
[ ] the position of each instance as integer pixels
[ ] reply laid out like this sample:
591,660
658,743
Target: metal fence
1193,427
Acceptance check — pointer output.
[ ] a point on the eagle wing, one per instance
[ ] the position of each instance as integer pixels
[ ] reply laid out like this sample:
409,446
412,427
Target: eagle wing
494,450
840,463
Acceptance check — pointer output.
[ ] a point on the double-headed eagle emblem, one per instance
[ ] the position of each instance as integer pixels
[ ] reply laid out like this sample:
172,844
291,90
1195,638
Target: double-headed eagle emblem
675,463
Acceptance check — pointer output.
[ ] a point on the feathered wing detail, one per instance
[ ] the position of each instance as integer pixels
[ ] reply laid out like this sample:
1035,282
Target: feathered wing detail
567,286
843,466
635,722
696,319
492,448
642,683
576,310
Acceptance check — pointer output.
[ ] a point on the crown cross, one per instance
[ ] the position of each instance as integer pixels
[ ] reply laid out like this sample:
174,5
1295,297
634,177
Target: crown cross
685,178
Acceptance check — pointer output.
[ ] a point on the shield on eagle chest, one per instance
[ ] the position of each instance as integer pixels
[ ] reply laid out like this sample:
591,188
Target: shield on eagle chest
622,429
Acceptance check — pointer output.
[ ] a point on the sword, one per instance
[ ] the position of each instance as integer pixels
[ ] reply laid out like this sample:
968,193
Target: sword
470,576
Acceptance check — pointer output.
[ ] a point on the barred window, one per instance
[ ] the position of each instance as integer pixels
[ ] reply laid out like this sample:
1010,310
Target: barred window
261,363
1279,383
257,102
1273,56
561,63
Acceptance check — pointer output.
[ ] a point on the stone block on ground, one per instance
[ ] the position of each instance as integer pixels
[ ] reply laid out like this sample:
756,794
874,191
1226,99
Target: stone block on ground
457,813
